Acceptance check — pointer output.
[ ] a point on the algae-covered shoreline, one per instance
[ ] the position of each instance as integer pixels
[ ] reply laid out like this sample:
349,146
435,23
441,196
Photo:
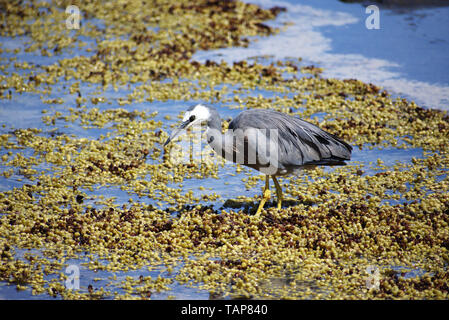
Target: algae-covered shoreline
86,181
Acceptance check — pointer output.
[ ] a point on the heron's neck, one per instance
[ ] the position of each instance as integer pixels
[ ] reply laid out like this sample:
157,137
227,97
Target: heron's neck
213,133
214,123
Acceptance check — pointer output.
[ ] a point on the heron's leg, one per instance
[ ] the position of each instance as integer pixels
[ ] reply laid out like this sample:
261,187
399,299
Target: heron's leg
266,195
278,192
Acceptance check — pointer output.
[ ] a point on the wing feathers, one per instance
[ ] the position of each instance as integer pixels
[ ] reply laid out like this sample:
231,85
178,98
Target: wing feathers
299,142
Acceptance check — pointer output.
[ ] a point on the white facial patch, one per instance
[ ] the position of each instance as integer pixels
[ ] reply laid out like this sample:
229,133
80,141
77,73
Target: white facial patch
199,111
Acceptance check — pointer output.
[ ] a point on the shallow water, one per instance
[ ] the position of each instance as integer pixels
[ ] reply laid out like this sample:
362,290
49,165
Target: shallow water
406,56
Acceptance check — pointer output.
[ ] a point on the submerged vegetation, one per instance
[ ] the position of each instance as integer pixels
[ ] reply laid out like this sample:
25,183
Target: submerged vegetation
57,177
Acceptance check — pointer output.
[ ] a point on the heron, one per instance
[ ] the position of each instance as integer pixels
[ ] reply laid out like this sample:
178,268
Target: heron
269,141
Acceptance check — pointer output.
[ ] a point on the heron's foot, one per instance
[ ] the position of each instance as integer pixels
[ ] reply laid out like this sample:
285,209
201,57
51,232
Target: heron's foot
266,196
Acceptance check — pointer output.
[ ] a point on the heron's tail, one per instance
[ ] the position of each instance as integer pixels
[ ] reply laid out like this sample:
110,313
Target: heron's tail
327,162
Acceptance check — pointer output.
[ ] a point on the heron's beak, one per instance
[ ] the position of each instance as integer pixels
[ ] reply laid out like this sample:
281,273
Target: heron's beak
177,131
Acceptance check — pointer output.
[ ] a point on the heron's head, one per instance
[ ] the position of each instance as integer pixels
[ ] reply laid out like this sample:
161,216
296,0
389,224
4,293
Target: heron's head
195,115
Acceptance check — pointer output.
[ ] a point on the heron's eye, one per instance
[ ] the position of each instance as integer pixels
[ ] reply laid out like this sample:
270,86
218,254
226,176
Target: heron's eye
192,118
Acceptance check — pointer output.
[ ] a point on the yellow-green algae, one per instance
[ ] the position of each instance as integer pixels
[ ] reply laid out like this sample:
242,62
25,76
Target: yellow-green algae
337,223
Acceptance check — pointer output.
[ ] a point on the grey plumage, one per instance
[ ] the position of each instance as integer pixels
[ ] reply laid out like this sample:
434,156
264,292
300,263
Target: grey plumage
300,143
269,141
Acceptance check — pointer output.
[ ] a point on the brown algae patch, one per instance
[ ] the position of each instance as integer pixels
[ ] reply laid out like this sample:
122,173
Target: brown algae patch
338,225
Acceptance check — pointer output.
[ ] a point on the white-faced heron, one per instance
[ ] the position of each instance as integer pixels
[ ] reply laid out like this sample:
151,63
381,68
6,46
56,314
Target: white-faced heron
269,141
